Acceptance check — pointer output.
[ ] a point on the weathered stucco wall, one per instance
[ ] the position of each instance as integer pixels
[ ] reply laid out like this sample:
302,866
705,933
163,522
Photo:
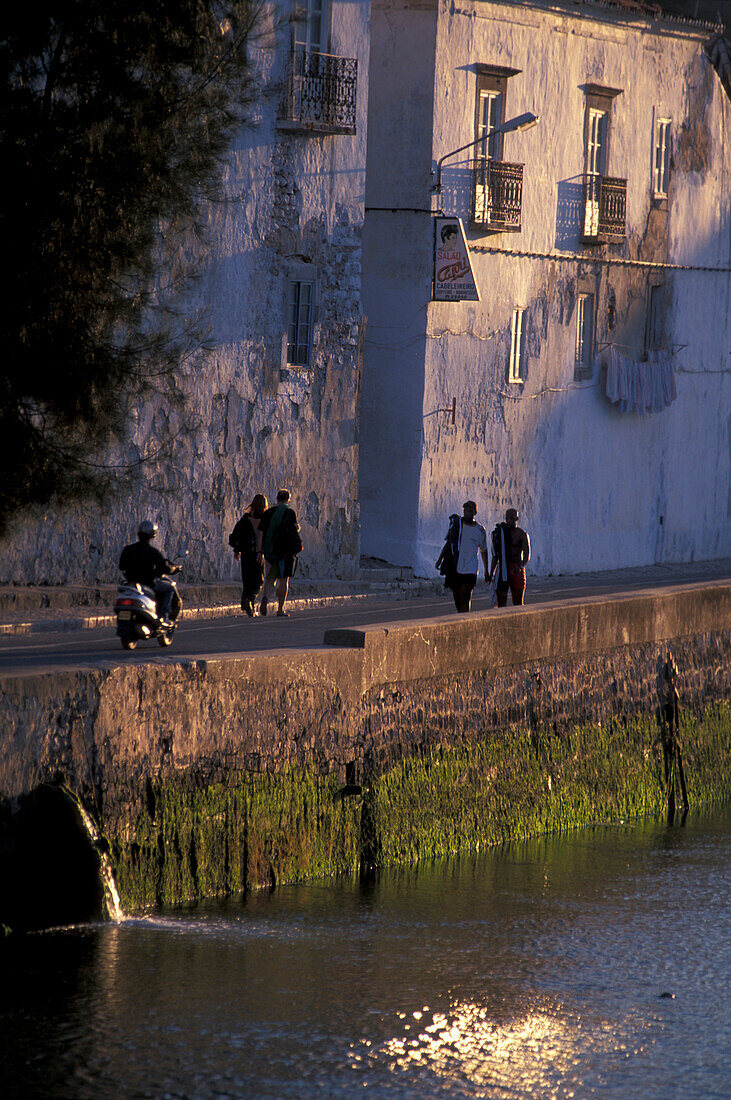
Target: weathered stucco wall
596,488
209,777
292,205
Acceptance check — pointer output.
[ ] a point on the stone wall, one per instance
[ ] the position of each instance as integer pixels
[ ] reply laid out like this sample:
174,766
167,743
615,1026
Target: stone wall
212,777
291,207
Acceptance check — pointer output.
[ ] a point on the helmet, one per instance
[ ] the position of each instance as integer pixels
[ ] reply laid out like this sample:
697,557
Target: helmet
147,530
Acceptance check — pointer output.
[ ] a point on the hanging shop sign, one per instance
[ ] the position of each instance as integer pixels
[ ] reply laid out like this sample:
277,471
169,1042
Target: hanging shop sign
454,279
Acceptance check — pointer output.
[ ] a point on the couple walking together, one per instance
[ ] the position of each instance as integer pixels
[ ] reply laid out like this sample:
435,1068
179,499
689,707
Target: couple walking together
466,542
266,540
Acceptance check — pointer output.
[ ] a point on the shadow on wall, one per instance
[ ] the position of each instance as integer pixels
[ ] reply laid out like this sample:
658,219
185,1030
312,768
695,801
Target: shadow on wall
457,197
569,213
456,194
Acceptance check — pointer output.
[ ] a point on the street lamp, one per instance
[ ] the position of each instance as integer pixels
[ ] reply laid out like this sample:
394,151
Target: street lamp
520,122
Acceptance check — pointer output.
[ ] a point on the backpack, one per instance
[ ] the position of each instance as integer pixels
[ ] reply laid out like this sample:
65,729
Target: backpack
243,537
449,556
454,535
287,541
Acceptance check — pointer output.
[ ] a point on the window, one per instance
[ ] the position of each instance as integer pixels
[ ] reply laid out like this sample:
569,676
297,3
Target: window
661,166
490,115
310,26
492,87
299,331
604,198
497,188
517,347
320,88
597,124
595,160
584,355
656,315
596,142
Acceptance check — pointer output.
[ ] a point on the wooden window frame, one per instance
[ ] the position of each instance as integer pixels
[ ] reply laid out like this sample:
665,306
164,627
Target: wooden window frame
295,321
662,126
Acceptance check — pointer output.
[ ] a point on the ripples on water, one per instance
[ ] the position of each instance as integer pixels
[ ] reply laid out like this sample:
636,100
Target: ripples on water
536,970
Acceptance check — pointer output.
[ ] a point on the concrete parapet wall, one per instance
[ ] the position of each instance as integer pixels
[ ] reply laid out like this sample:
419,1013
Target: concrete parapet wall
210,776
572,628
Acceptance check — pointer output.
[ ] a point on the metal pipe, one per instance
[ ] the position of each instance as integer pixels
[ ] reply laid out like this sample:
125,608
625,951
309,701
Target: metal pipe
520,122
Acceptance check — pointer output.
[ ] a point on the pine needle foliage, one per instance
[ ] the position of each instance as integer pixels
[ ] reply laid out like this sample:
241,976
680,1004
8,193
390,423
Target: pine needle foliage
115,119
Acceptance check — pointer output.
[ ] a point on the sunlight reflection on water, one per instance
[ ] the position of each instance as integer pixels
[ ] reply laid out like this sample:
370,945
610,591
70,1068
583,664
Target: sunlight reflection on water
529,1056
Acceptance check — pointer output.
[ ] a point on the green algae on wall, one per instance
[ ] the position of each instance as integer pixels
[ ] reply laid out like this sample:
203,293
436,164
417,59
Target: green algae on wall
299,826
197,839
525,782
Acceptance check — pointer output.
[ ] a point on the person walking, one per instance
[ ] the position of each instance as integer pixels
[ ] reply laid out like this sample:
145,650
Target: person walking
466,542
246,540
281,545
510,555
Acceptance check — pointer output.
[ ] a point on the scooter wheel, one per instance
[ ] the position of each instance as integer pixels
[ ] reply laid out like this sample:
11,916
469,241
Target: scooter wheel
165,639
129,643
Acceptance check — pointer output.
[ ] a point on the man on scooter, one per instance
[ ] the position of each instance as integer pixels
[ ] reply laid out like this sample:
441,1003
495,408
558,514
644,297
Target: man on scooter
142,563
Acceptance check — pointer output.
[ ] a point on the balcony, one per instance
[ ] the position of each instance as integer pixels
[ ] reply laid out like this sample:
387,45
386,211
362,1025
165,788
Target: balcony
497,195
605,210
320,94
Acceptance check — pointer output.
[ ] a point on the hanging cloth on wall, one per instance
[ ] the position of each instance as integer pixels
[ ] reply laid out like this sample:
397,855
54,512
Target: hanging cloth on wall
641,388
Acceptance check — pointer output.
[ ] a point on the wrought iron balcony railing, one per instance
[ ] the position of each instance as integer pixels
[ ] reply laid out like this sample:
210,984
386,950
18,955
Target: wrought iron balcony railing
605,209
497,195
320,93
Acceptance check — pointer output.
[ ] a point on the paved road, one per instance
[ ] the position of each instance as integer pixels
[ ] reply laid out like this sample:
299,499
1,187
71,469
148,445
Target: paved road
238,636
232,636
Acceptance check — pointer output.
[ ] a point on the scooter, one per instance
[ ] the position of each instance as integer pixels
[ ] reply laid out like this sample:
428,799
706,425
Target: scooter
136,611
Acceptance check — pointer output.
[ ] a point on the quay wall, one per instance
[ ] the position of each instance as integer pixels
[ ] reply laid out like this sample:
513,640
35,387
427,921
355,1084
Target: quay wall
390,743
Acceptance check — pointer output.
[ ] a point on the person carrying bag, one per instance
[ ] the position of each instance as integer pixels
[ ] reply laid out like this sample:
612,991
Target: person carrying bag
281,545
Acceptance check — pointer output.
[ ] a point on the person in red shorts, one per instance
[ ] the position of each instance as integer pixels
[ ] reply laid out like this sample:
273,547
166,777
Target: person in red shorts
510,555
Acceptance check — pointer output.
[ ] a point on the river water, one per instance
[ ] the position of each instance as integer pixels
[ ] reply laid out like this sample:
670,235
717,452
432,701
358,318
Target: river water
591,964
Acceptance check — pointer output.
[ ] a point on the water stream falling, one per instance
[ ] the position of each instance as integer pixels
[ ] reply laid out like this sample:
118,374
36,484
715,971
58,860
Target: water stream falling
112,903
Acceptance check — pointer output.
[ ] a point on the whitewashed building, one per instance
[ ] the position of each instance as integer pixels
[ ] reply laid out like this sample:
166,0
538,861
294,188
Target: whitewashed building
590,386
274,400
